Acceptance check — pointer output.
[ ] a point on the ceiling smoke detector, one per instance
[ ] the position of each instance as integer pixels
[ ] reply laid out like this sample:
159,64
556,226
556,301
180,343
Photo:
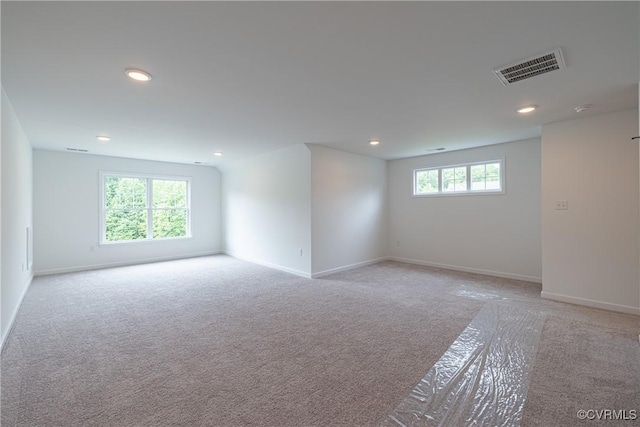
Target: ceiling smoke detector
531,67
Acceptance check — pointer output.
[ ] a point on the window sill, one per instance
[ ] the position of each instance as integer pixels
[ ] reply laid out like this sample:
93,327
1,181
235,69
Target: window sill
129,242
462,193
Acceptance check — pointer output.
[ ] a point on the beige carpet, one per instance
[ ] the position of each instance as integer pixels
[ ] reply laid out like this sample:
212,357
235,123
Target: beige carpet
215,341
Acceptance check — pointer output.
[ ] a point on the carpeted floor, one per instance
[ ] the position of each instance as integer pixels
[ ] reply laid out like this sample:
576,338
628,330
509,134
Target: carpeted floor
215,341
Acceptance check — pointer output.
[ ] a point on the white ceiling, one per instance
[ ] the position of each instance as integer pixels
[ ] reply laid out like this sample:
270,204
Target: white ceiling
245,78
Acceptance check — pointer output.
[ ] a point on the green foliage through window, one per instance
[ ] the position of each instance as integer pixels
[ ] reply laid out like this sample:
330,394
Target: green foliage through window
427,181
454,179
137,208
485,176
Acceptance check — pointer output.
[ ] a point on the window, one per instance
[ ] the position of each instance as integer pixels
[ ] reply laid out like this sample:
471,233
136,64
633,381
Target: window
136,208
483,177
427,181
454,179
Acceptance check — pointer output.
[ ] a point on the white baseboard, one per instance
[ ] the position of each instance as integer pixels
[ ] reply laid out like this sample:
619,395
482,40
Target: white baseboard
469,270
269,264
121,264
591,303
15,314
347,267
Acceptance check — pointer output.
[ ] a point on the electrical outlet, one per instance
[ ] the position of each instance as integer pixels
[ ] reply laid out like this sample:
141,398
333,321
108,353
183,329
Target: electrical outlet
562,205
300,251
398,243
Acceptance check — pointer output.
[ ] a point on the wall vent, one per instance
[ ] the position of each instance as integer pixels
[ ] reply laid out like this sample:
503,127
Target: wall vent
80,150
531,67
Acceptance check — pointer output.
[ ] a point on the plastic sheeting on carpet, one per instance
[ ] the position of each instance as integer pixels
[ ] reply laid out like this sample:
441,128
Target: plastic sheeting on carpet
482,379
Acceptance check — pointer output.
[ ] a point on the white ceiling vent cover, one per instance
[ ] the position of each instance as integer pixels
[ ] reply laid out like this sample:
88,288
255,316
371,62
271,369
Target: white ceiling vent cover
531,67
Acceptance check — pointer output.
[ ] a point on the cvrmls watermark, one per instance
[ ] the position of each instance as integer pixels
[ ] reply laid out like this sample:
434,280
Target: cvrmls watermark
608,414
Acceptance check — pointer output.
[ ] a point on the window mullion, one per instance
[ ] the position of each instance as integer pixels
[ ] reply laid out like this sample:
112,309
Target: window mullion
439,180
485,176
188,210
103,209
149,209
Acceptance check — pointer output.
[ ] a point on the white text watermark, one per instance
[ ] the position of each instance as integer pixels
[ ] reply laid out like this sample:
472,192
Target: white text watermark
608,414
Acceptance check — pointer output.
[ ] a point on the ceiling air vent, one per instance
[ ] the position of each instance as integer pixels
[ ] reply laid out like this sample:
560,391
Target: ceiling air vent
531,67
80,150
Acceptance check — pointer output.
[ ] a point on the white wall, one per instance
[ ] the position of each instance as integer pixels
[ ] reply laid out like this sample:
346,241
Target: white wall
590,251
348,210
17,203
491,234
266,203
67,207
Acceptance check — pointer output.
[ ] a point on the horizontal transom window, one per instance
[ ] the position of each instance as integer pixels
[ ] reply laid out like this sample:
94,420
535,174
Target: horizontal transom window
481,177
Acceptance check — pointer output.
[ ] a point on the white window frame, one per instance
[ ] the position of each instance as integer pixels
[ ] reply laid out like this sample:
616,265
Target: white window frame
468,191
103,209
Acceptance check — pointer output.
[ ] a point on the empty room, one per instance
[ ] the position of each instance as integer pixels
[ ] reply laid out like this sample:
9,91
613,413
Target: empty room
320,213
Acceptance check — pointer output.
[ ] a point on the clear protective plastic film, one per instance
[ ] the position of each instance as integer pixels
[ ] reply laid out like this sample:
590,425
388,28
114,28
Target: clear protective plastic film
482,379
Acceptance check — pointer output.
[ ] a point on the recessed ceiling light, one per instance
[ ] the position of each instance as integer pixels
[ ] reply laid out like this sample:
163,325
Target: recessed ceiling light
218,153
581,108
103,138
374,142
526,109
140,75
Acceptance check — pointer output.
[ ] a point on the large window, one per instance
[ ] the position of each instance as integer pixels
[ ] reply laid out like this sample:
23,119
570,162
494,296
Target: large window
482,177
138,208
